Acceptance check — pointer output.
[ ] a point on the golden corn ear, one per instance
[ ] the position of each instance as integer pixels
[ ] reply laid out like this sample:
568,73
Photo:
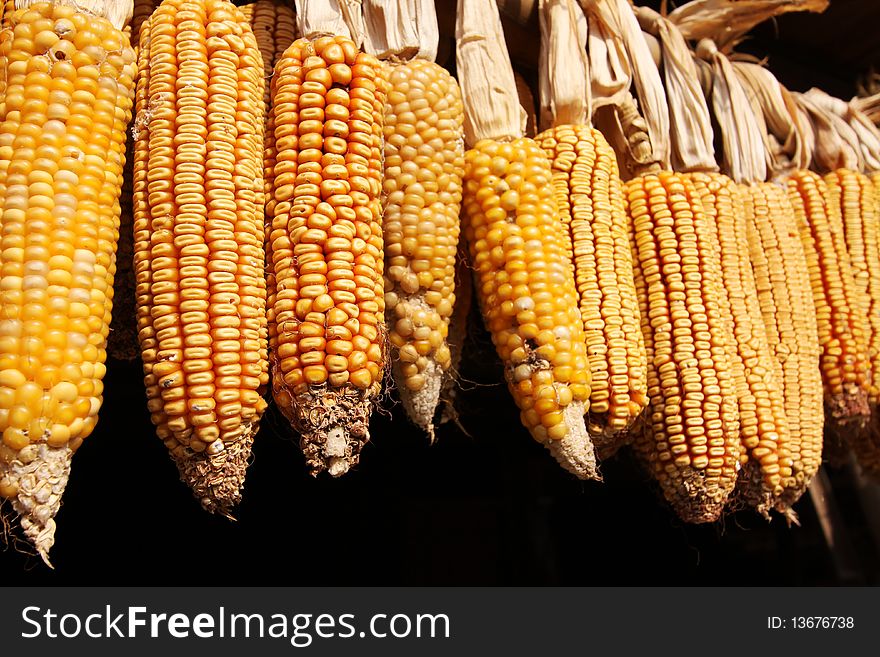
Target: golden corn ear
691,443
122,344
65,100
424,163
526,291
140,12
853,193
589,194
274,26
785,297
328,341
763,426
844,363
198,233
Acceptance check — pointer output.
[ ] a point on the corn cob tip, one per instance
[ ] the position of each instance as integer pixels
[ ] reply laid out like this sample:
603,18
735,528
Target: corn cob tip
35,480
575,451
334,425
420,405
216,478
849,410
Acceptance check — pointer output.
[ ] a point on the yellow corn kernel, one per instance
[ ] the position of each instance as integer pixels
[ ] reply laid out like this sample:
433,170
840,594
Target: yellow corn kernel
589,194
691,443
844,362
526,289
66,85
424,164
274,25
198,240
324,218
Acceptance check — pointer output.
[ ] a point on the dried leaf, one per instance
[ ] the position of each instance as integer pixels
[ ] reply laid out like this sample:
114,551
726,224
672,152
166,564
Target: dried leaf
785,134
743,153
727,21
619,17
316,18
563,67
861,133
401,30
485,74
610,72
831,150
692,136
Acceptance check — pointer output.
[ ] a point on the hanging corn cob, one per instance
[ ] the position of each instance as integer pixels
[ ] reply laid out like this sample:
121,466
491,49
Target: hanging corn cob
65,99
764,428
589,194
782,273
274,25
423,166
524,280
691,442
201,291
122,343
326,310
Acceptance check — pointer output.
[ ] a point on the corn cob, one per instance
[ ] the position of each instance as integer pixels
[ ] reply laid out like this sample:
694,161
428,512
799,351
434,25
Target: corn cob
328,344
65,99
782,281
844,362
524,281
589,195
764,431
198,228
122,344
692,444
526,290
274,25
141,12
853,193
424,162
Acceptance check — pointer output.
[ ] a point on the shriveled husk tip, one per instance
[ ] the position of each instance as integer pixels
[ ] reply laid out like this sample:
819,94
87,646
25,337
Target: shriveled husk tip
39,474
118,12
217,479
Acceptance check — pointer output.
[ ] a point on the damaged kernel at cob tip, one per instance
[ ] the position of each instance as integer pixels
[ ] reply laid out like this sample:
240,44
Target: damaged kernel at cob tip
325,246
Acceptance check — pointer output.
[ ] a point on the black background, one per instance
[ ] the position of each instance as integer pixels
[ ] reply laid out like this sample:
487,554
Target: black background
489,506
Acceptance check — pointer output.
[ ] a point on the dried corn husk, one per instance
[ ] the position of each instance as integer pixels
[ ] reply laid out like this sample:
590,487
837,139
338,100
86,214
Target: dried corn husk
563,67
488,88
692,135
315,18
618,16
832,150
861,133
787,146
743,154
401,29
727,21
